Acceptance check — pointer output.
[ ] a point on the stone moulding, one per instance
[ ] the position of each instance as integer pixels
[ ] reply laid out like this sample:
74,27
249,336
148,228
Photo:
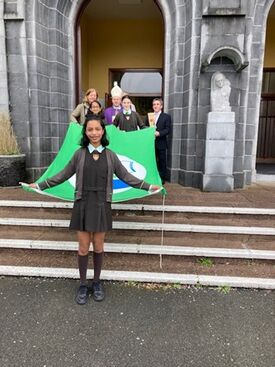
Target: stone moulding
235,55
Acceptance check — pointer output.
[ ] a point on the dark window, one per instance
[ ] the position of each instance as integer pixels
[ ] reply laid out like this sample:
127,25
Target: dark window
268,86
221,60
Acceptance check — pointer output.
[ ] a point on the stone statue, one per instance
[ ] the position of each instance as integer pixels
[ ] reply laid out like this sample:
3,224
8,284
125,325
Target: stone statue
220,92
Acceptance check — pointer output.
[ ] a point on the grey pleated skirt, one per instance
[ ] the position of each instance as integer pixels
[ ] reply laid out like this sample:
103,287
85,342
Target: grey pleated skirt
92,213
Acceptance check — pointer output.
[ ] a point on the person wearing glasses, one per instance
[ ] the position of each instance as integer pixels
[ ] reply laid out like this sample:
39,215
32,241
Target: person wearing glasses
96,109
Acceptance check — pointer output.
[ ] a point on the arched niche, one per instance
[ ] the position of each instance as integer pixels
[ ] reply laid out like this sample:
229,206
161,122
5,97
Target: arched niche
232,53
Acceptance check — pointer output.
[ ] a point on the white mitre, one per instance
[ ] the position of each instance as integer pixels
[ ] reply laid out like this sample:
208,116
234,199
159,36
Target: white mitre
116,91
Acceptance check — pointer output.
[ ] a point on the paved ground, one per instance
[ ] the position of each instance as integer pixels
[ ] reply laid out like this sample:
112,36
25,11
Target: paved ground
41,326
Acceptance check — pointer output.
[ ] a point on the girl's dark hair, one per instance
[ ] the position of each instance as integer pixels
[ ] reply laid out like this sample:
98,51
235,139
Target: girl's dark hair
98,103
84,139
126,96
100,114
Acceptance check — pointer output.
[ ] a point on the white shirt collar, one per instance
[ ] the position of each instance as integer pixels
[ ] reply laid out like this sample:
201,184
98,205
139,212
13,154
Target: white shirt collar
127,112
92,148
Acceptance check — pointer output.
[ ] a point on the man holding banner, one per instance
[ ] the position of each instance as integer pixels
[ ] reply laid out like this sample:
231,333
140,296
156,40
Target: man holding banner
162,123
93,166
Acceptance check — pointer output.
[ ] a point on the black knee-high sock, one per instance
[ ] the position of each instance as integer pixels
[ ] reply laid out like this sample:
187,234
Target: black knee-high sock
98,260
82,266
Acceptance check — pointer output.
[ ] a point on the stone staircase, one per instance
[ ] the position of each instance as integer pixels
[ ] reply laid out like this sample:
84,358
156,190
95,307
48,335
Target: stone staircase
203,245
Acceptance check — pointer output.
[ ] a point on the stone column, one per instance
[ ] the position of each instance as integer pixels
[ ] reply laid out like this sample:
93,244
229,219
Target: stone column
219,152
4,97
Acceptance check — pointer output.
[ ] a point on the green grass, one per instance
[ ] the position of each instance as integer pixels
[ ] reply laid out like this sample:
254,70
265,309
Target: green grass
225,289
204,261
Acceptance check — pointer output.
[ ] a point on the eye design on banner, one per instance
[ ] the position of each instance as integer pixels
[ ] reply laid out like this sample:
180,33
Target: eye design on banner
133,167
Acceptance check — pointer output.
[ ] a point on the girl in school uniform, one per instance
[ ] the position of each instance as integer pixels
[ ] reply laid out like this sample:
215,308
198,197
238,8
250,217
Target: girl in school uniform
94,165
96,109
127,119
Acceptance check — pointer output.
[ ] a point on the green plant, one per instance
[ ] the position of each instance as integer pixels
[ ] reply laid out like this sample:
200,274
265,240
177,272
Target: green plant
176,286
225,289
8,143
206,261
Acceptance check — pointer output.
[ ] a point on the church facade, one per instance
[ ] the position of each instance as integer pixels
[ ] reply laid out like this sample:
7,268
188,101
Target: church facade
41,74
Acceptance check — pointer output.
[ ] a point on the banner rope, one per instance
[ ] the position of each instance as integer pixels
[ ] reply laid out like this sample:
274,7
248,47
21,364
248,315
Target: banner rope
162,231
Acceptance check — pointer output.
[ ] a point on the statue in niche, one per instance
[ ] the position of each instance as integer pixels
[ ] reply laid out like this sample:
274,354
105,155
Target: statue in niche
220,92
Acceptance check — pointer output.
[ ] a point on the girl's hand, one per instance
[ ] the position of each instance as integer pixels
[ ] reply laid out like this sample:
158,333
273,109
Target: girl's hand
33,185
154,188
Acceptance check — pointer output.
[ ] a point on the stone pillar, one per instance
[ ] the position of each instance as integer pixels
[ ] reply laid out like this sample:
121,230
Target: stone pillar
4,97
219,152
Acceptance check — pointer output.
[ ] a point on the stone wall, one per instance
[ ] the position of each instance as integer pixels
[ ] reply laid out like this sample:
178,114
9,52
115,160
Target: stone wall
17,73
4,98
37,55
50,85
231,26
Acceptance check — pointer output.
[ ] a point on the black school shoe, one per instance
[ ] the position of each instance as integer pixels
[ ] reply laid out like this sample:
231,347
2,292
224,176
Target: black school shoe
98,291
82,295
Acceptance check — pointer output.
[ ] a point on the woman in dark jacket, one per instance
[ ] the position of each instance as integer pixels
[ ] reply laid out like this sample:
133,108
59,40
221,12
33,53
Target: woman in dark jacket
94,166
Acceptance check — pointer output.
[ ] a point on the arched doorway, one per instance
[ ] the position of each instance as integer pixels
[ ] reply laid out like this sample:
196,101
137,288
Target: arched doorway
265,163
120,40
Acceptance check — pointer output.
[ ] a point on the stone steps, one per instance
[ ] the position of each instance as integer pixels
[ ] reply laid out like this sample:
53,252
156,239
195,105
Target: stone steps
130,248
41,241
145,207
144,226
200,240
142,263
151,277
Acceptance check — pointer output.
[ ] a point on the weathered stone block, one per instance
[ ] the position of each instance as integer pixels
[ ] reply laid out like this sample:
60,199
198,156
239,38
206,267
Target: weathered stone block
218,183
173,174
10,7
223,117
219,166
238,180
219,148
220,131
238,164
12,169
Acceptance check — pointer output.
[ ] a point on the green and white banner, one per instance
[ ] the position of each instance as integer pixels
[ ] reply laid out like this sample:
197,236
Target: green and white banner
136,151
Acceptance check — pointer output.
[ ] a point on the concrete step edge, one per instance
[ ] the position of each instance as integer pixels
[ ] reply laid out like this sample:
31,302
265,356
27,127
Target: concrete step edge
265,231
142,249
190,279
145,207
